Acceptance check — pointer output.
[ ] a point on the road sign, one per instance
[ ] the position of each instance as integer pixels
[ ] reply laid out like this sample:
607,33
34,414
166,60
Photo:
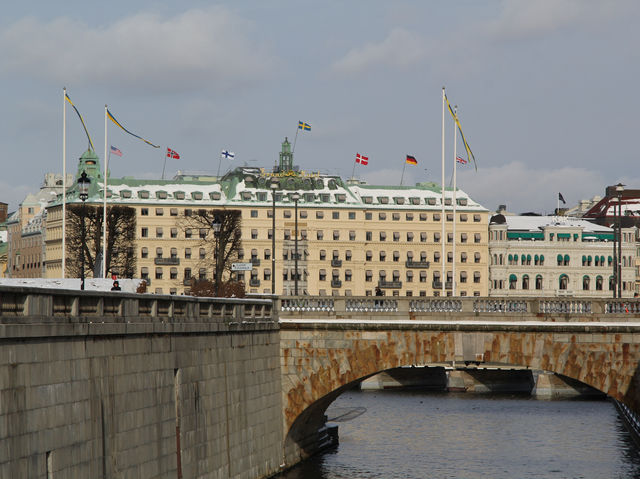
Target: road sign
241,266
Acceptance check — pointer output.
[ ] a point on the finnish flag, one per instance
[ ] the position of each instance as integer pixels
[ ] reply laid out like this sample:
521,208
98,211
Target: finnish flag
229,155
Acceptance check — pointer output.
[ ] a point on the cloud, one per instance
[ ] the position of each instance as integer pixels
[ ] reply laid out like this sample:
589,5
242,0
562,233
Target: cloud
401,49
522,19
526,187
207,48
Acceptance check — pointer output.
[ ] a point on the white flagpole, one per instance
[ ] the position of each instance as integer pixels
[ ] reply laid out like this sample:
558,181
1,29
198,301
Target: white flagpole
455,169
166,154
295,140
443,218
219,163
403,167
64,181
104,209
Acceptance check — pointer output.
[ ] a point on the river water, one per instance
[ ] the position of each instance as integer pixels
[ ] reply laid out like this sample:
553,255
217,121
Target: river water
409,434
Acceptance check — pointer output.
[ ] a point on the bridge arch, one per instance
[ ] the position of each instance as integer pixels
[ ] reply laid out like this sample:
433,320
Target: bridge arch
321,360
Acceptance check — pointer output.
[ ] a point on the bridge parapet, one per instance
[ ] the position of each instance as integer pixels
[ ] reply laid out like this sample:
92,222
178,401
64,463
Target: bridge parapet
19,304
412,306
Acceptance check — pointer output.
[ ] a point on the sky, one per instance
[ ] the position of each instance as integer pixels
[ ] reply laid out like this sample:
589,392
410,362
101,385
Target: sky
546,90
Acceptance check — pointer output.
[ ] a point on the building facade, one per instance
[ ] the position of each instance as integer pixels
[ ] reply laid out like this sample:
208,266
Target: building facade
556,256
352,237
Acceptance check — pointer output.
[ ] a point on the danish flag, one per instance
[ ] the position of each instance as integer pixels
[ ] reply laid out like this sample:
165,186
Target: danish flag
363,160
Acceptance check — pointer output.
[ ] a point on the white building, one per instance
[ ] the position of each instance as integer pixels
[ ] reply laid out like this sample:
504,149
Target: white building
556,256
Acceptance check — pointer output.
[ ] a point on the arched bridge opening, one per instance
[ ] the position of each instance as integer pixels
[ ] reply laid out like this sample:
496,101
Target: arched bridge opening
323,355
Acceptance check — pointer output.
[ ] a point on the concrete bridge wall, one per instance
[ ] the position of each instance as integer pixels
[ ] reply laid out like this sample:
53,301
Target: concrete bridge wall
130,386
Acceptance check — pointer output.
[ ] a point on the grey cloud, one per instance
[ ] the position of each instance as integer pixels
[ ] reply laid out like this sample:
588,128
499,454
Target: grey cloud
201,49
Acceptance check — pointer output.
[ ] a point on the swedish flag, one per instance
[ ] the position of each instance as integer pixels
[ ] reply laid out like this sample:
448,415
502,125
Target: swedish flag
304,126
112,118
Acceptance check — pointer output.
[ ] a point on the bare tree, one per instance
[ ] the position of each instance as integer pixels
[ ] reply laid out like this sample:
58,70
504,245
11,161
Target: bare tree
121,230
221,246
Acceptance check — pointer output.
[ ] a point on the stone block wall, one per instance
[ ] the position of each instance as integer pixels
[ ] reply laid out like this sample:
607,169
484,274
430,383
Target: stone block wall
86,399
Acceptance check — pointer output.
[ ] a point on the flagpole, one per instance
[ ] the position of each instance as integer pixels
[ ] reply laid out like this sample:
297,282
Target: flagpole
64,181
354,169
219,163
442,219
165,162
295,140
455,169
104,195
403,167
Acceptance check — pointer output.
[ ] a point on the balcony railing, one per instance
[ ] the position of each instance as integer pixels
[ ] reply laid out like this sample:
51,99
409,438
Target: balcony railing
336,283
416,264
390,284
166,261
187,281
255,261
336,263
254,282
438,285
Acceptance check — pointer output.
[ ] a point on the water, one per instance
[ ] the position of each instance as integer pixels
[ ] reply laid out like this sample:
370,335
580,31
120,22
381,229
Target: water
405,434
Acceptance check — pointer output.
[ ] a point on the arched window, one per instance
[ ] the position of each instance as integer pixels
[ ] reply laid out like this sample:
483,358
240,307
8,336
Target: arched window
541,260
510,259
559,260
596,261
528,259
538,281
512,281
585,282
563,281
584,260
588,260
501,258
523,259
525,282
598,283
609,260
566,260
536,260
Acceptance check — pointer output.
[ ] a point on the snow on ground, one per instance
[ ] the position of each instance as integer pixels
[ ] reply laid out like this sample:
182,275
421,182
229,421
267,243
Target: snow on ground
90,284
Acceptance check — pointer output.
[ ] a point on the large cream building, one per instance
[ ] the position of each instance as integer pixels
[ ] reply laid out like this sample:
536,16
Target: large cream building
353,237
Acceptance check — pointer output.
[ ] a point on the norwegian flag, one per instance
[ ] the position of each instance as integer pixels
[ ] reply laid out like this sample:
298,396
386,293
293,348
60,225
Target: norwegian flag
172,154
363,160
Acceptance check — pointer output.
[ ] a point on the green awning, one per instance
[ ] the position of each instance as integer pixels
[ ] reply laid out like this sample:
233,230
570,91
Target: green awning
525,235
564,235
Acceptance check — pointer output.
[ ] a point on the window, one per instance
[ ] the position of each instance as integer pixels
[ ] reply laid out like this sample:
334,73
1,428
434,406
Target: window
368,256
347,275
383,236
174,232
396,256
347,255
449,237
267,274
476,218
409,216
409,236
173,273
286,214
144,232
423,237
463,276
254,234
476,276
322,275
436,256
352,235
368,235
538,282
383,255
202,273
254,213
409,276
598,283
159,212
267,253
144,211
423,217
158,232
269,233
368,275
563,281
270,213
449,257
463,237
202,253
187,273
335,215
202,233
319,214
174,252
158,273
323,255
436,217
476,237
382,216
463,217
144,252
423,276
396,236
585,283
187,253
463,257
303,214
476,257
436,237
188,212
320,234
449,217
173,211
336,235
368,215
187,233
240,253
395,216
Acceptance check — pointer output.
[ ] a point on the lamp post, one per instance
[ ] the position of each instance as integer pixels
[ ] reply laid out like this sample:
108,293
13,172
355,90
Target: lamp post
295,196
215,226
618,260
83,194
274,187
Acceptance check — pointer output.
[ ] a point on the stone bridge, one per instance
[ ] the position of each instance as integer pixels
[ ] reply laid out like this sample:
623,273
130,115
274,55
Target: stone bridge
330,344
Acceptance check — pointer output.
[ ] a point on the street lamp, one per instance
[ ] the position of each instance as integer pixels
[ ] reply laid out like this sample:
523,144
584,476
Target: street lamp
295,196
274,186
215,226
618,260
83,194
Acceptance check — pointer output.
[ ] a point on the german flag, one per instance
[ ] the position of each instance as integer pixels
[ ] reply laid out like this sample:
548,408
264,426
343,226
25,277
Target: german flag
412,160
